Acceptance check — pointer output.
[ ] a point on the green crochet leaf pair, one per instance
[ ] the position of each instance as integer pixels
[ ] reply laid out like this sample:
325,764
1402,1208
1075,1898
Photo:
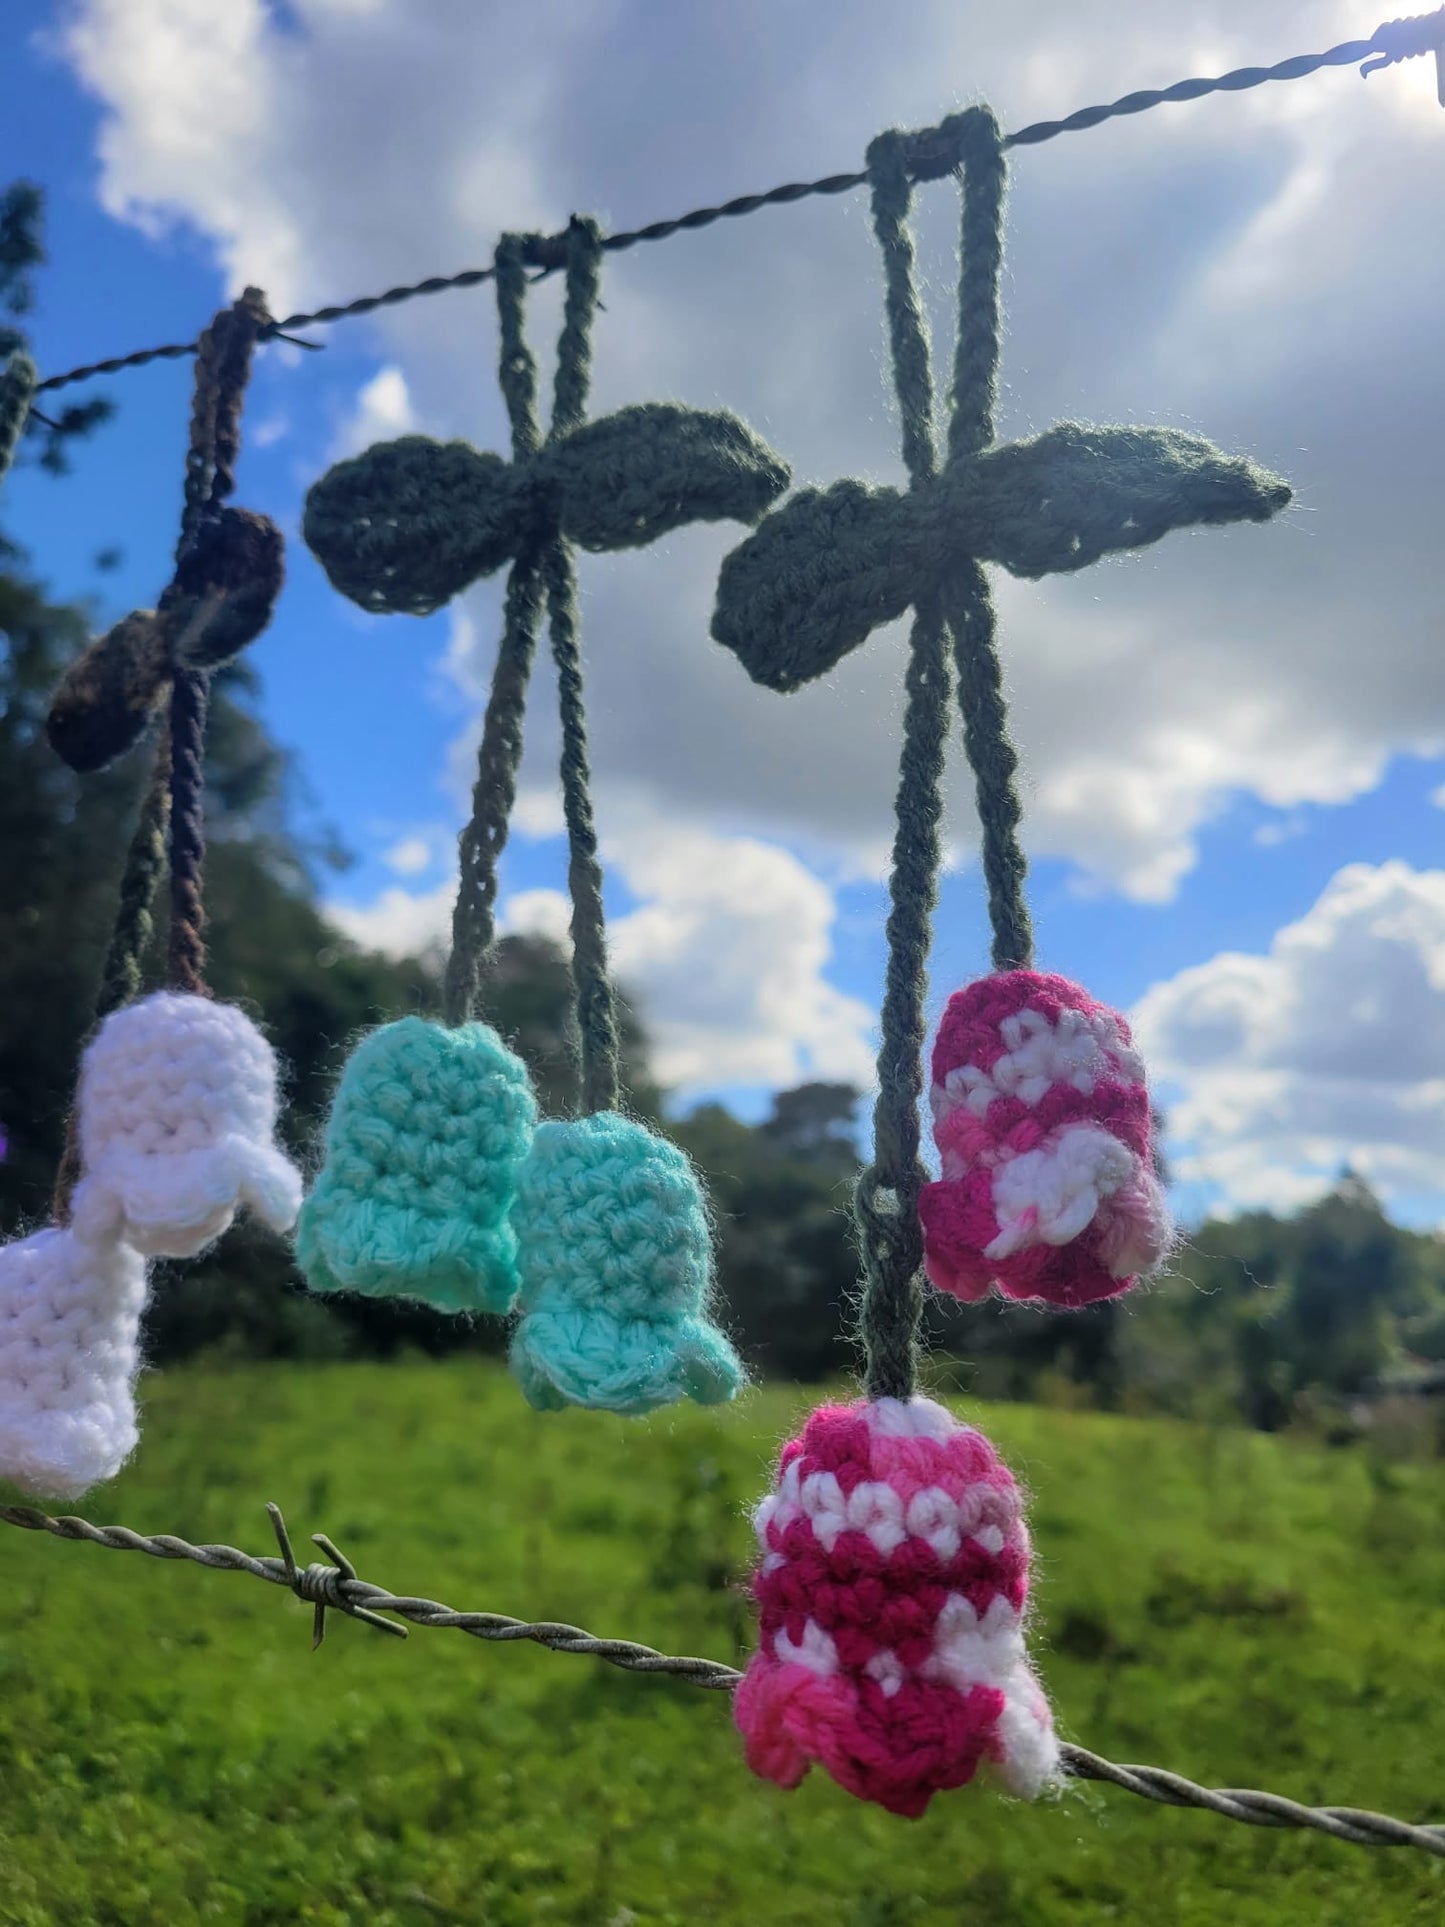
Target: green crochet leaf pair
439,1186
827,568
410,523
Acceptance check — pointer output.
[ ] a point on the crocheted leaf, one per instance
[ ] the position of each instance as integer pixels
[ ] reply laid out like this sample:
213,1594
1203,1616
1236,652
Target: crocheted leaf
227,586
407,525
108,695
423,1144
1074,494
814,580
622,482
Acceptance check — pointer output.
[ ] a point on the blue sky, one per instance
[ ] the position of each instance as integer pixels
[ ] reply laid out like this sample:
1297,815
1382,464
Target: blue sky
1232,742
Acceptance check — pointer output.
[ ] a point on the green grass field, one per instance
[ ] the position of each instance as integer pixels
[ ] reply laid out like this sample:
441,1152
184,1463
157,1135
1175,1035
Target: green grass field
1246,1611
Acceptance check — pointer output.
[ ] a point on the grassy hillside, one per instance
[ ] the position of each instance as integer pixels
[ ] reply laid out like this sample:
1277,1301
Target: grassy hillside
171,1751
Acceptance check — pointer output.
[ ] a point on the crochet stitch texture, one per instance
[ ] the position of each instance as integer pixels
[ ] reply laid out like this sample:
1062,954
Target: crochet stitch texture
70,1311
408,524
1041,1116
891,1598
615,1258
177,1114
423,1145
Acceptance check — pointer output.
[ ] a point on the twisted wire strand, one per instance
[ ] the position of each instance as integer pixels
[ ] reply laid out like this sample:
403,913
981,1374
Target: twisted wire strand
337,1586
1392,41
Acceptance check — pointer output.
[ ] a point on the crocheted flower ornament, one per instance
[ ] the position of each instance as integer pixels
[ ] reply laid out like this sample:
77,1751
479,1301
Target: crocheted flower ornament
616,1263
221,598
70,1311
423,1145
408,524
1041,1116
832,565
177,1115
891,1597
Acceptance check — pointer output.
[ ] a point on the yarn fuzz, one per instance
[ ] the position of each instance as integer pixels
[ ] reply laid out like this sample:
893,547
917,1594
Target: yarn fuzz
70,1311
891,1597
423,1145
1041,1116
177,1113
616,1262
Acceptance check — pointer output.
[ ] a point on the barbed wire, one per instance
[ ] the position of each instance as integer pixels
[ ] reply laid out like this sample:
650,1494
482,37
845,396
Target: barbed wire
336,1586
1390,43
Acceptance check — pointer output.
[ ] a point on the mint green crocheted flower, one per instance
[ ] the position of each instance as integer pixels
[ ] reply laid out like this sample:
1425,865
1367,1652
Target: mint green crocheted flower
615,1258
423,1146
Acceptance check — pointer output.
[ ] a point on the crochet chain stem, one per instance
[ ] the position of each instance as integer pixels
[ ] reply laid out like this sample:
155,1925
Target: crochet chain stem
969,600
120,974
546,566
599,1073
223,367
994,762
348,1593
484,835
885,1201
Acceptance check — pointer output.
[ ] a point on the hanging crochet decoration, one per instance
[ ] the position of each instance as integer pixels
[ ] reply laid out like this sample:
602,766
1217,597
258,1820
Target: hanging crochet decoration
895,1561
173,1126
892,1583
435,1186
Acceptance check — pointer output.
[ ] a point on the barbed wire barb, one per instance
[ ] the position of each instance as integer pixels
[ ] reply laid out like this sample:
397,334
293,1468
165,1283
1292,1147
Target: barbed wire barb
338,1585
1393,41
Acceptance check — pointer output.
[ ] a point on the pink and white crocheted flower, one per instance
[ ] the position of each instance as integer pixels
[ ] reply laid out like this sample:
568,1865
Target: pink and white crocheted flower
177,1113
1041,1117
891,1597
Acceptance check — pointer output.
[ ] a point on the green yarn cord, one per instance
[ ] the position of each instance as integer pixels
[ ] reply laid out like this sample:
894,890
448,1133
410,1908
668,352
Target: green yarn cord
411,523
120,973
484,836
886,1197
18,380
969,599
599,1072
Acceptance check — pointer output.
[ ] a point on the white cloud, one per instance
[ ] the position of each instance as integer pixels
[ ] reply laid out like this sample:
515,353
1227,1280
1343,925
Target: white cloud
536,913
400,923
383,409
1250,266
1328,1050
409,856
726,951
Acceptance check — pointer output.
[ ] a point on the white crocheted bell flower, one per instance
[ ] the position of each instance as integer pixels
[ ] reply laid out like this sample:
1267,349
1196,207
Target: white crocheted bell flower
177,1108
70,1310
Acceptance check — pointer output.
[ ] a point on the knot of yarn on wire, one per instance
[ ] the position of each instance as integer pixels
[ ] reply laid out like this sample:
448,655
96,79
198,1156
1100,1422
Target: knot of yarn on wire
219,600
409,524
